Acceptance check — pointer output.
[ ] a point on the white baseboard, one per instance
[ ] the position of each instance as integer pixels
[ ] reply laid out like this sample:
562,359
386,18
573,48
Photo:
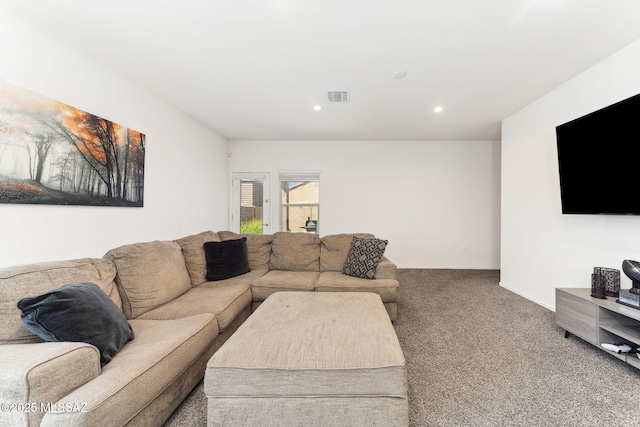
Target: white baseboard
502,285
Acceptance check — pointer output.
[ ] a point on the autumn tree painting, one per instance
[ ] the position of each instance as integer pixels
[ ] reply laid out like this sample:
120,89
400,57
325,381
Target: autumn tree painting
52,153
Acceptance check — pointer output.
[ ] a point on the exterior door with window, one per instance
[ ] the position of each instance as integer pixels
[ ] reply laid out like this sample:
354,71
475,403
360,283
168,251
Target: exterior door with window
250,203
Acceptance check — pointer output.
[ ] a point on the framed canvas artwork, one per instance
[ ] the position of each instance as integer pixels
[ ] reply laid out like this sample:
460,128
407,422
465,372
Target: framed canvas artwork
55,154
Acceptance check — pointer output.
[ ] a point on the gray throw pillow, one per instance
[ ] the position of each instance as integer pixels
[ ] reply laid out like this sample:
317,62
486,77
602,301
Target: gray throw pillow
80,313
364,256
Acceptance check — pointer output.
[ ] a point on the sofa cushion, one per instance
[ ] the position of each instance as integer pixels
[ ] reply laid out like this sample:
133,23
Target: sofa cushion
295,251
364,256
226,259
78,313
162,351
281,280
334,249
38,278
242,280
193,253
225,301
258,248
43,373
334,281
149,274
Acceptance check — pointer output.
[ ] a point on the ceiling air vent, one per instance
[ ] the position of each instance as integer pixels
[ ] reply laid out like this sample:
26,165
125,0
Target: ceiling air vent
338,96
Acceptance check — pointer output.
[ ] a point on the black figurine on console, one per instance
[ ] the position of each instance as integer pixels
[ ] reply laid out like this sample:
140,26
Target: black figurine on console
632,270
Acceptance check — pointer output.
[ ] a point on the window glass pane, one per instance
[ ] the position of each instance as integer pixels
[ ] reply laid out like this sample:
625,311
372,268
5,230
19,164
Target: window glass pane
300,206
251,206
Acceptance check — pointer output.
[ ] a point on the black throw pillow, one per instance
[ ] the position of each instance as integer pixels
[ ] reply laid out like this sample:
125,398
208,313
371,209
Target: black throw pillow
80,313
226,259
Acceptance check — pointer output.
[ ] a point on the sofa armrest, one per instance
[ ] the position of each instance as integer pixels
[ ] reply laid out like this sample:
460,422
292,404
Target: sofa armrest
387,269
34,375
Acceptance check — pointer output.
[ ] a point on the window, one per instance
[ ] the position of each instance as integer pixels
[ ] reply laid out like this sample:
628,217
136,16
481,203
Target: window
300,201
250,207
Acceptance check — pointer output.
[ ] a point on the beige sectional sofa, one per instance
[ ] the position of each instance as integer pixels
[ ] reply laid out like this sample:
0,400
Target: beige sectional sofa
307,262
178,317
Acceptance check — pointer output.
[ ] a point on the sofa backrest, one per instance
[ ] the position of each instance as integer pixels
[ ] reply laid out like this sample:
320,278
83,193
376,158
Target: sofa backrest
295,251
334,249
35,279
149,274
193,253
258,248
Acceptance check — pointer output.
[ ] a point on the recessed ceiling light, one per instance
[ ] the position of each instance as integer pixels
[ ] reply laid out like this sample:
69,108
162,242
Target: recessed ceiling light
400,74
438,109
317,107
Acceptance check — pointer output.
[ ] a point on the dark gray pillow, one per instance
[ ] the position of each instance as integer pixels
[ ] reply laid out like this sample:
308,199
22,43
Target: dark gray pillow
226,259
364,256
81,313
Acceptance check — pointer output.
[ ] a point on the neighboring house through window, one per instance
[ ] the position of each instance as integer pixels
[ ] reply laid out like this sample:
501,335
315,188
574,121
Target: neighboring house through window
300,201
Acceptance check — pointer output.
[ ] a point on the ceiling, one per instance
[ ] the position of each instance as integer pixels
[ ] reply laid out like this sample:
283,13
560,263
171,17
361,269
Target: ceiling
253,69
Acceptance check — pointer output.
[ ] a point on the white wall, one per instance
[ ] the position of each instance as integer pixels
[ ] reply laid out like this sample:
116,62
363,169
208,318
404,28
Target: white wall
541,249
185,167
427,198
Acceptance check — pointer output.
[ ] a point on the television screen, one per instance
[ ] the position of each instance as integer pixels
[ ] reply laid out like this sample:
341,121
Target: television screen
599,161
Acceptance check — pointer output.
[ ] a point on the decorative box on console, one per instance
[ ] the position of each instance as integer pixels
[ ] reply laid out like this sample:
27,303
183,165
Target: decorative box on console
627,298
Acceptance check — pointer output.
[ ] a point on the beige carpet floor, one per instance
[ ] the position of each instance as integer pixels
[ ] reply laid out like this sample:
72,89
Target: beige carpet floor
479,355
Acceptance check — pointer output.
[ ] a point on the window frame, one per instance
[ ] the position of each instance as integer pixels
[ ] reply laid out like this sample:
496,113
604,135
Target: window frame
303,177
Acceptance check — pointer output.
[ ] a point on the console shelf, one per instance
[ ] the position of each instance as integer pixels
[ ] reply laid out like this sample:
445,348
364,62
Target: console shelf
598,321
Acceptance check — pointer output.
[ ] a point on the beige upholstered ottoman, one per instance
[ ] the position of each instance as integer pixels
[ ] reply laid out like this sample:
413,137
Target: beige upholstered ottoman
310,359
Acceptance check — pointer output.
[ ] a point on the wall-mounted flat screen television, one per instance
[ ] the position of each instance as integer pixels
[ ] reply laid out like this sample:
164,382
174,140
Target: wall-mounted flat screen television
599,161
